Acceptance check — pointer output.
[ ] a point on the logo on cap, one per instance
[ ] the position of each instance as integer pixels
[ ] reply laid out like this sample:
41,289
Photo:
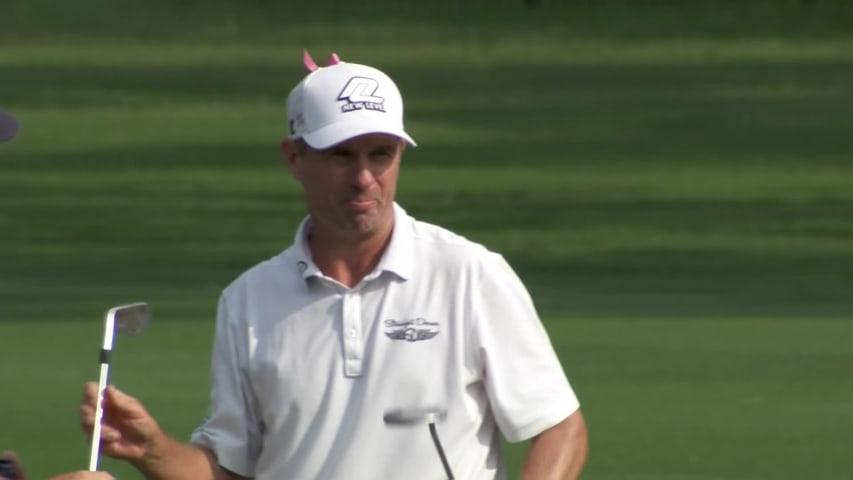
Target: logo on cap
360,94
297,123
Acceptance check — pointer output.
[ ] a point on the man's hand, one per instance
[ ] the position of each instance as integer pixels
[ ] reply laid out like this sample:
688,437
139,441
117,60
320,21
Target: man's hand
128,431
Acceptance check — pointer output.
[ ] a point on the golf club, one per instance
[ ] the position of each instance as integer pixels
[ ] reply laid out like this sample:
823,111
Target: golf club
131,319
420,416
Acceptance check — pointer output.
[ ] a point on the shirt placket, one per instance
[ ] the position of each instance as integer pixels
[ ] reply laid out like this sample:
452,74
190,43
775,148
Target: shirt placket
352,332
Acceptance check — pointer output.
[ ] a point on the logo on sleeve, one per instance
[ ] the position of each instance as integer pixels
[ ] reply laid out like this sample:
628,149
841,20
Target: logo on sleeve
413,330
360,94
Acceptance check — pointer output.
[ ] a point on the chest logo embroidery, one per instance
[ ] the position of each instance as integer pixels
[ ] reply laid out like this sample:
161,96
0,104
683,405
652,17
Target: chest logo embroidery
413,330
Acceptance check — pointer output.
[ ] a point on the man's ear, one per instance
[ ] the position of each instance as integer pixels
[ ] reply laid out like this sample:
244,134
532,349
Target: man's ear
291,153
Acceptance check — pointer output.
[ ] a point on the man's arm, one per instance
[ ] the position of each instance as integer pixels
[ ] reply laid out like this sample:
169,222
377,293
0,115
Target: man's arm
170,459
558,453
130,433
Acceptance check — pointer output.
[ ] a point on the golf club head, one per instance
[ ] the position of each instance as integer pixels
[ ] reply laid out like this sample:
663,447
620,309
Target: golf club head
414,415
131,319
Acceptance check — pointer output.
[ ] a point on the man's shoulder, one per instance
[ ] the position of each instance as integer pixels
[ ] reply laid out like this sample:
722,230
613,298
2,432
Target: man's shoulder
429,236
438,245
269,271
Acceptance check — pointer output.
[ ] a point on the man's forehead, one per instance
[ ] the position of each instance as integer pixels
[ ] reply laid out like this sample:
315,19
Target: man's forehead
369,140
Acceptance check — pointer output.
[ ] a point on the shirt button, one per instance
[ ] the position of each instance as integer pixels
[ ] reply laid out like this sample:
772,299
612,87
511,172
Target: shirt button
351,333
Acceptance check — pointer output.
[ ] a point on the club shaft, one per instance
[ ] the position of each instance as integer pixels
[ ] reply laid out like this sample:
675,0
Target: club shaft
99,413
434,433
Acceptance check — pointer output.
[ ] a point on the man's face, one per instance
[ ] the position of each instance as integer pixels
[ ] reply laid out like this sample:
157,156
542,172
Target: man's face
350,187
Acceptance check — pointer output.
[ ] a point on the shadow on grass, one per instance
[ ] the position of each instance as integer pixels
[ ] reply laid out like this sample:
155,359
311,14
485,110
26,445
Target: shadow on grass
579,255
539,116
185,218
394,20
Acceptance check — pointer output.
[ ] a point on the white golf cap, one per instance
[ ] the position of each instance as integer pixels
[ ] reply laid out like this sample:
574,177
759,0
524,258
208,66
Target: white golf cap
342,101
8,126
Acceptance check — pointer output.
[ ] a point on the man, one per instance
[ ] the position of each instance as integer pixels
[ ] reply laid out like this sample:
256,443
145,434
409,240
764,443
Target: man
368,311
20,474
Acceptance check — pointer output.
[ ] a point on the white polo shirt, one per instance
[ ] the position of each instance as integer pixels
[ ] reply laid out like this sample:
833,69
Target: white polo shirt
304,368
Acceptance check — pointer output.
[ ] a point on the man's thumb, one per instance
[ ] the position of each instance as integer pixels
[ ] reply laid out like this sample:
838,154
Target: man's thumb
117,399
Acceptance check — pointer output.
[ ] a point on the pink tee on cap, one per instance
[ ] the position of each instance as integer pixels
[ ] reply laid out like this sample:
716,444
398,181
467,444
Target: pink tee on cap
341,101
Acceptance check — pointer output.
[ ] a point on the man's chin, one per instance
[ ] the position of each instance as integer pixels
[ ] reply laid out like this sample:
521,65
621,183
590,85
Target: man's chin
364,227
365,224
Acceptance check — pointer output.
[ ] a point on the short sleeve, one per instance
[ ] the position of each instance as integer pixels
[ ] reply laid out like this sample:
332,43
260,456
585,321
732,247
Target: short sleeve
527,388
232,430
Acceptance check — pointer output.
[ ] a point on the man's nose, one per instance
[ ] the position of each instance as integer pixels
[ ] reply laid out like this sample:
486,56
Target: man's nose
362,174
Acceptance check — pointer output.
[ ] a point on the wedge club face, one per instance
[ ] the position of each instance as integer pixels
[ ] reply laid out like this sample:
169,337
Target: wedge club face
131,319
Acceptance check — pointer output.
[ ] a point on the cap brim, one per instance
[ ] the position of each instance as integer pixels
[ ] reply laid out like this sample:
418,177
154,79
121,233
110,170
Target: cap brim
8,126
339,132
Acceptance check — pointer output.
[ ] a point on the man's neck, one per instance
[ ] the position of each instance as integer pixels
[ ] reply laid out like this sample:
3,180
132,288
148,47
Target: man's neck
345,259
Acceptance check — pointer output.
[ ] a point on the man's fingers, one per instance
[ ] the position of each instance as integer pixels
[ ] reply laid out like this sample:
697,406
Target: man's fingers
120,402
119,398
87,406
125,424
115,403
90,393
87,412
109,434
87,418
87,423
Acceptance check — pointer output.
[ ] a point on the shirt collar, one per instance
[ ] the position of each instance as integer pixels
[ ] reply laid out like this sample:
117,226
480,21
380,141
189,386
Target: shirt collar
396,259
399,254
303,261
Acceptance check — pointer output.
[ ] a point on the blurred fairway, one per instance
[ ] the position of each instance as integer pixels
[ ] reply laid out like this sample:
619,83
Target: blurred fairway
677,192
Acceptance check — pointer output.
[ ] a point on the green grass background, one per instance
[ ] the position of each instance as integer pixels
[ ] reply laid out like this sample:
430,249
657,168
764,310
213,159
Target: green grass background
672,180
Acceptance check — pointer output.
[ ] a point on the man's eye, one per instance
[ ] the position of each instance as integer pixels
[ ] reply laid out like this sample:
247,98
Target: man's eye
340,154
